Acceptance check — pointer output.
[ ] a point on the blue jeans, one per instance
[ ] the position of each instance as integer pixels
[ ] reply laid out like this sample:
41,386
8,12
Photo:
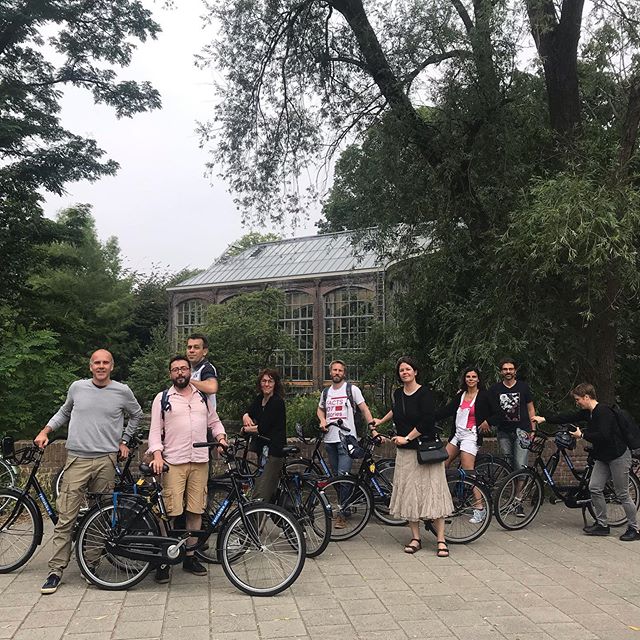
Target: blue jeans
510,448
339,459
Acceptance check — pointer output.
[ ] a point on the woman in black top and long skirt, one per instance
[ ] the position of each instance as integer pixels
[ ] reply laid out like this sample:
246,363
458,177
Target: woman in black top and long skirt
420,491
267,417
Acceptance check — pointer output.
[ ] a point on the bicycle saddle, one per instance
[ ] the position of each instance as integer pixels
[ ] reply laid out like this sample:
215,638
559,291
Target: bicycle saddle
146,470
290,450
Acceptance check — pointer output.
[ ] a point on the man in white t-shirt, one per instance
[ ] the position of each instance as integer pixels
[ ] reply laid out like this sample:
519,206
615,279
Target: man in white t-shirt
335,404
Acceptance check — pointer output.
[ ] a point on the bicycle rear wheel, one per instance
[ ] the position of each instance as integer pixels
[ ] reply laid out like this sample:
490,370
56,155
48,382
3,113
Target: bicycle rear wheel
263,552
384,478
351,506
616,517
102,526
518,499
7,476
312,510
20,529
467,523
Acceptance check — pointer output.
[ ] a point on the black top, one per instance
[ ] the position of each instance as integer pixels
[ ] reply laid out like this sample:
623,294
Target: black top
416,410
513,405
206,369
272,422
486,408
602,430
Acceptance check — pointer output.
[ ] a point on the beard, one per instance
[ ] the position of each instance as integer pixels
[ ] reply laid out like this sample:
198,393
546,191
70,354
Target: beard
182,382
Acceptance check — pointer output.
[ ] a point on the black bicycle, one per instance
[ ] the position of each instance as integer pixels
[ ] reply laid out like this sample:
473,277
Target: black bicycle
519,497
296,493
260,546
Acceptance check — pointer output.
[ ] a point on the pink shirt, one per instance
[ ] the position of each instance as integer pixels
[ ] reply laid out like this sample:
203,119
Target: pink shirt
471,418
185,423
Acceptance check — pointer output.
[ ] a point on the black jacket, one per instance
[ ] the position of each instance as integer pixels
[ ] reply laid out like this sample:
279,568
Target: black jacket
486,408
602,430
416,410
272,423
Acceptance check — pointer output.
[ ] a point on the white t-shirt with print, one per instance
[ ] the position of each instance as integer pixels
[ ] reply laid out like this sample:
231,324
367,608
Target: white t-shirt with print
338,407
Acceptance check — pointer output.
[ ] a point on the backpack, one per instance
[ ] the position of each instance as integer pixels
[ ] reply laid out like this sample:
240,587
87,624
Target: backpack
165,405
357,414
628,427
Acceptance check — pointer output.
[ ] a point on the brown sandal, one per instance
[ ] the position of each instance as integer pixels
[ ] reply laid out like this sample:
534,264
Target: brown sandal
443,551
409,548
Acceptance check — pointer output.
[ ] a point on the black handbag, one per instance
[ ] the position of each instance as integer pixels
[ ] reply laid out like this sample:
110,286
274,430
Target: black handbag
431,451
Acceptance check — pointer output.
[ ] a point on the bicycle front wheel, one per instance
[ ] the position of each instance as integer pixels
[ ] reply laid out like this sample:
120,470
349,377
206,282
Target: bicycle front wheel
471,515
616,515
101,528
312,510
217,492
20,529
382,494
518,499
262,549
7,476
351,506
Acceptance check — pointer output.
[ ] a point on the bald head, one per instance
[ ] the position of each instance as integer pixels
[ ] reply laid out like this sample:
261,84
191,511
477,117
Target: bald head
101,366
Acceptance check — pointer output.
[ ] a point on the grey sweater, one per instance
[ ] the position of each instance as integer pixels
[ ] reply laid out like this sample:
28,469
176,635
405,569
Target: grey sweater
95,416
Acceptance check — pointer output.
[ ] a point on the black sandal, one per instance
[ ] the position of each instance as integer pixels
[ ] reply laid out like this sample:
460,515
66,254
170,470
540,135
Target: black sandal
409,548
443,551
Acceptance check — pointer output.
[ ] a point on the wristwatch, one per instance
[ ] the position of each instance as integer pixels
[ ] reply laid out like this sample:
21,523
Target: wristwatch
408,439
124,442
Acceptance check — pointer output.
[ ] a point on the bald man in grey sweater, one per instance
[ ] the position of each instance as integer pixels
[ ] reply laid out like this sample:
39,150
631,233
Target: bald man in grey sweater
95,410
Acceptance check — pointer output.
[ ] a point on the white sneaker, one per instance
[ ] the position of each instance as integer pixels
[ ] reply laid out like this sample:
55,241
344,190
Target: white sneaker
478,516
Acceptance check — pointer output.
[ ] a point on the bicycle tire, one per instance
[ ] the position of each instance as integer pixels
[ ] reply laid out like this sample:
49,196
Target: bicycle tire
509,497
491,469
384,477
351,501
102,568
8,477
271,566
458,528
20,532
305,466
616,517
217,491
312,511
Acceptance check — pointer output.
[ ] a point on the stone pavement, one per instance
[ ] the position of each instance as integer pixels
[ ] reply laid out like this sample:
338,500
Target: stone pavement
547,581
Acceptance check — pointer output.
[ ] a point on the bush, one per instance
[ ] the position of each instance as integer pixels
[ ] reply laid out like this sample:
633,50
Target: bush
302,409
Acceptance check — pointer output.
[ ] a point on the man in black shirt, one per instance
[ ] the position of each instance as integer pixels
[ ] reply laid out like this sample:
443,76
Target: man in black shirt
516,402
204,376
611,454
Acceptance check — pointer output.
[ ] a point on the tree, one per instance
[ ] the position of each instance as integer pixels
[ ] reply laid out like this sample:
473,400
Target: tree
245,336
250,240
44,46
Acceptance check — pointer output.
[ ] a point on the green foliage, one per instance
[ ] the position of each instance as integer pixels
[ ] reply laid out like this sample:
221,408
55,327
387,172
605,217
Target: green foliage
245,337
250,240
45,45
33,379
149,372
301,409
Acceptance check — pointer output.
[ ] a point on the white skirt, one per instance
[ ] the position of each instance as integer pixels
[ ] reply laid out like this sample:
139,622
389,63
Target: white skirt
420,491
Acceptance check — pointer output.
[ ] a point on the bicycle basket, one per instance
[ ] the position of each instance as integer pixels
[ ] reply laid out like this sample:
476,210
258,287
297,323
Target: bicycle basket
564,440
352,446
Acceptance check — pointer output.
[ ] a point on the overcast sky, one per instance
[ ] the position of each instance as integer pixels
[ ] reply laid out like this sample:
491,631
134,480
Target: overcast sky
160,205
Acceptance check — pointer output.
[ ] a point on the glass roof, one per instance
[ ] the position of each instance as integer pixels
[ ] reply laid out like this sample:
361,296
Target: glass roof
289,259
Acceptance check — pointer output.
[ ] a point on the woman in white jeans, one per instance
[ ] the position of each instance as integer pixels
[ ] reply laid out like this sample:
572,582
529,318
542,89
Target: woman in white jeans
472,408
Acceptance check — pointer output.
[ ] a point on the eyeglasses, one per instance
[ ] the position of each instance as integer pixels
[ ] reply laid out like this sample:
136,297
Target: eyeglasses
265,381
180,369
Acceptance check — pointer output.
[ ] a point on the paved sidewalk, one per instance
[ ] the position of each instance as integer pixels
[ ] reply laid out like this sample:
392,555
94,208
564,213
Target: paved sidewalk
547,581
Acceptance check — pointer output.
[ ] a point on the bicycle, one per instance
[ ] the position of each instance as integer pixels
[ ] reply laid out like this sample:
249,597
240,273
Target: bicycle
520,496
260,546
21,521
296,493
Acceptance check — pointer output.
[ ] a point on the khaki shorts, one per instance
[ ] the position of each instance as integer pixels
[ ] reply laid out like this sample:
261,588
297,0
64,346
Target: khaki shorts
185,485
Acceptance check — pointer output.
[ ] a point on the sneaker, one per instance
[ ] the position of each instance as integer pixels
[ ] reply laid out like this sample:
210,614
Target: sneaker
478,516
163,574
340,523
193,565
51,583
630,534
596,529
519,511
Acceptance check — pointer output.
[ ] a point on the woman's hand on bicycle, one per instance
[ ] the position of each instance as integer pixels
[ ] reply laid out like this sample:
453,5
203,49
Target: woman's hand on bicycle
247,421
250,428
577,433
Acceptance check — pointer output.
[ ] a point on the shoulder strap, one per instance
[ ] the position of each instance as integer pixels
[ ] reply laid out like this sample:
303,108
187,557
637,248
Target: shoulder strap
165,403
354,406
325,393
205,398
